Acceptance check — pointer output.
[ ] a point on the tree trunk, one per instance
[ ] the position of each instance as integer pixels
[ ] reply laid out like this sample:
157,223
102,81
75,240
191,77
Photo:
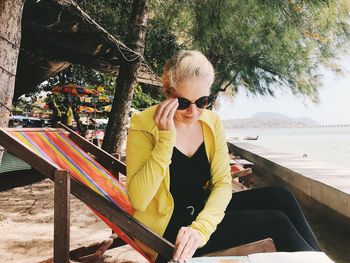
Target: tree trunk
10,40
116,128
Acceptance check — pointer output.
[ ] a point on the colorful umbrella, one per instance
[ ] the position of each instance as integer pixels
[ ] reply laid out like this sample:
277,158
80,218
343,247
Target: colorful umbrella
85,109
105,98
101,98
100,89
107,108
74,90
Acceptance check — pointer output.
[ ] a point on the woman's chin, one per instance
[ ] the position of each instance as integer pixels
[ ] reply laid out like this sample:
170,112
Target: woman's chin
189,119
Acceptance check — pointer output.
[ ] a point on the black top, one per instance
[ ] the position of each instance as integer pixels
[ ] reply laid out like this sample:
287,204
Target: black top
189,186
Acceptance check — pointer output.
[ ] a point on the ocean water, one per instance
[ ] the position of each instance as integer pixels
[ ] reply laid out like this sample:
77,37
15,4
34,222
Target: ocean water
325,144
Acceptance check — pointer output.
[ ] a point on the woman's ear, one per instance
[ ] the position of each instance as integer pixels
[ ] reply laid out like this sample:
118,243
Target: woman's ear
168,93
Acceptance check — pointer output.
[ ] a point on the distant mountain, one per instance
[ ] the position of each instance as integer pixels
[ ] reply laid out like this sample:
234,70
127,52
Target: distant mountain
308,121
270,115
269,120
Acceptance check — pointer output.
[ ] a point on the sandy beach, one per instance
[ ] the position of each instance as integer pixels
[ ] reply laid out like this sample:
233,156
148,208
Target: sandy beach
26,226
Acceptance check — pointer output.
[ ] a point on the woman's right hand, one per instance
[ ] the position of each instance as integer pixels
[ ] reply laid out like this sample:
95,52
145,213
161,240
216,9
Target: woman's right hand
164,115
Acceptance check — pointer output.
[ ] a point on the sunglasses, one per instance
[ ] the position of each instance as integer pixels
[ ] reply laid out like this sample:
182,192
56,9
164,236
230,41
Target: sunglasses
201,103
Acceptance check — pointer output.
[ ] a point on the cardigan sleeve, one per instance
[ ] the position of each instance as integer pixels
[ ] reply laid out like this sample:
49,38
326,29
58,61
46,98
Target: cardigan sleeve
147,160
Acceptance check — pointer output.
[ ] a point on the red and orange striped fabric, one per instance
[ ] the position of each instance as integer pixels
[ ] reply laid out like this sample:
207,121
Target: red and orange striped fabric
56,147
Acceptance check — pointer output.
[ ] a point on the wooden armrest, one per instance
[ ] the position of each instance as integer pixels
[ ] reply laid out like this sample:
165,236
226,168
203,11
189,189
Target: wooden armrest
261,246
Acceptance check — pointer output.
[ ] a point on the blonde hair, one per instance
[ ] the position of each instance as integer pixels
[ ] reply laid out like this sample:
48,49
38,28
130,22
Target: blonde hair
186,64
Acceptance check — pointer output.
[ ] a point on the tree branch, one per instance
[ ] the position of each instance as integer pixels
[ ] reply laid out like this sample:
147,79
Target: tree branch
232,80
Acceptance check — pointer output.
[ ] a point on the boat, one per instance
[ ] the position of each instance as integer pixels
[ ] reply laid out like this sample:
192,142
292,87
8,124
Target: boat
251,137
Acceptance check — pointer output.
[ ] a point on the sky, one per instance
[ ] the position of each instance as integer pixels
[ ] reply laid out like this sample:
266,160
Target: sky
334,106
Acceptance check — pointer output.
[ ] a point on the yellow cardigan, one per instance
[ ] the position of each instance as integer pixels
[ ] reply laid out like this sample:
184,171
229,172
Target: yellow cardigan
148,156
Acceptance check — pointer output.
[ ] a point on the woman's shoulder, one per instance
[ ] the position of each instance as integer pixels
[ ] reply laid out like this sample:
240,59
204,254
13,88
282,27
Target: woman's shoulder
211,118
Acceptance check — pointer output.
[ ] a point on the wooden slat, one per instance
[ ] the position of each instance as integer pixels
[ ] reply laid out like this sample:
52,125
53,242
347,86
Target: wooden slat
80,252
123,220
111,163
61,217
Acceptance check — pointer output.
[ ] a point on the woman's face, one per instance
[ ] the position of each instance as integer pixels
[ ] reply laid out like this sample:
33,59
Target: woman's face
190,89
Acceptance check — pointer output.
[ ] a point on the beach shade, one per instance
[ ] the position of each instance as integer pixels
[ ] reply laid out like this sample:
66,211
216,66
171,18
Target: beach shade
100,98
100,89
107,108
86,99
105,98
86,109
74,90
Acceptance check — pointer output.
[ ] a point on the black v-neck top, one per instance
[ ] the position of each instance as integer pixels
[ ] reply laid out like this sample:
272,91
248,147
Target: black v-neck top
189,186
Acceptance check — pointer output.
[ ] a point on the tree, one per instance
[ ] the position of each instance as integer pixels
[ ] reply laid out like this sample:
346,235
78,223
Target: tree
115,17
260,44
10,39
118,119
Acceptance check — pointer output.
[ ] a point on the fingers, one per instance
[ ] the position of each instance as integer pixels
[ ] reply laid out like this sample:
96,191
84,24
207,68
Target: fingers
182,231
181,241
169,107
161,106
173,110
187,242
164,115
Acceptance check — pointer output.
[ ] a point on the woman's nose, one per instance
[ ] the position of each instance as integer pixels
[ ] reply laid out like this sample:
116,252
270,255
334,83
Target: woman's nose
192,108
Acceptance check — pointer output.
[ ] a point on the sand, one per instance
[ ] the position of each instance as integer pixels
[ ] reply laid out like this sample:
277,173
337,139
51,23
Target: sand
26,226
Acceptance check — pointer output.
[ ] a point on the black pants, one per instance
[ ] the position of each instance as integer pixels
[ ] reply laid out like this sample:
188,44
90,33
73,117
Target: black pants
261,213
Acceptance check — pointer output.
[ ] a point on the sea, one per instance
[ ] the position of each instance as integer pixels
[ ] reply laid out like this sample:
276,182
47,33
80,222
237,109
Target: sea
328,144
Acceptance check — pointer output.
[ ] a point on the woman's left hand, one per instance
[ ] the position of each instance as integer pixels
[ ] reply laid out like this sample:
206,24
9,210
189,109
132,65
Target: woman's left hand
186,244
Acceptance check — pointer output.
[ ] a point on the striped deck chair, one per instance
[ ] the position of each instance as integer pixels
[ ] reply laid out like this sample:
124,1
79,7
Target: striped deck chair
55,155
79,167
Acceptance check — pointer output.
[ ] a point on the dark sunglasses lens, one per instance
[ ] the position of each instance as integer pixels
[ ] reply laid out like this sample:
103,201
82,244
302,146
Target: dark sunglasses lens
183,103
203,102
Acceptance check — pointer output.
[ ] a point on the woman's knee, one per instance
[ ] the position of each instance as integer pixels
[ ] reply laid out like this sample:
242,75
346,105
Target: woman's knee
281,193
278,215
279,224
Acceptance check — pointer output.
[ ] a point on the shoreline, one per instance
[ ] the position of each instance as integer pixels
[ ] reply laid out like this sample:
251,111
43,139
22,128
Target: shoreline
326,145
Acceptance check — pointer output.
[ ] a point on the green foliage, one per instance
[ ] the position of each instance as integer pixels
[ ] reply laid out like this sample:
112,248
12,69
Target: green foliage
262,45
115,16
161,43
142,99
112,15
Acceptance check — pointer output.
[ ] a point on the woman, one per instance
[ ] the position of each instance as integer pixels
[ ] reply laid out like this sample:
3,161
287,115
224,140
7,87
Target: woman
179,175
56,113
